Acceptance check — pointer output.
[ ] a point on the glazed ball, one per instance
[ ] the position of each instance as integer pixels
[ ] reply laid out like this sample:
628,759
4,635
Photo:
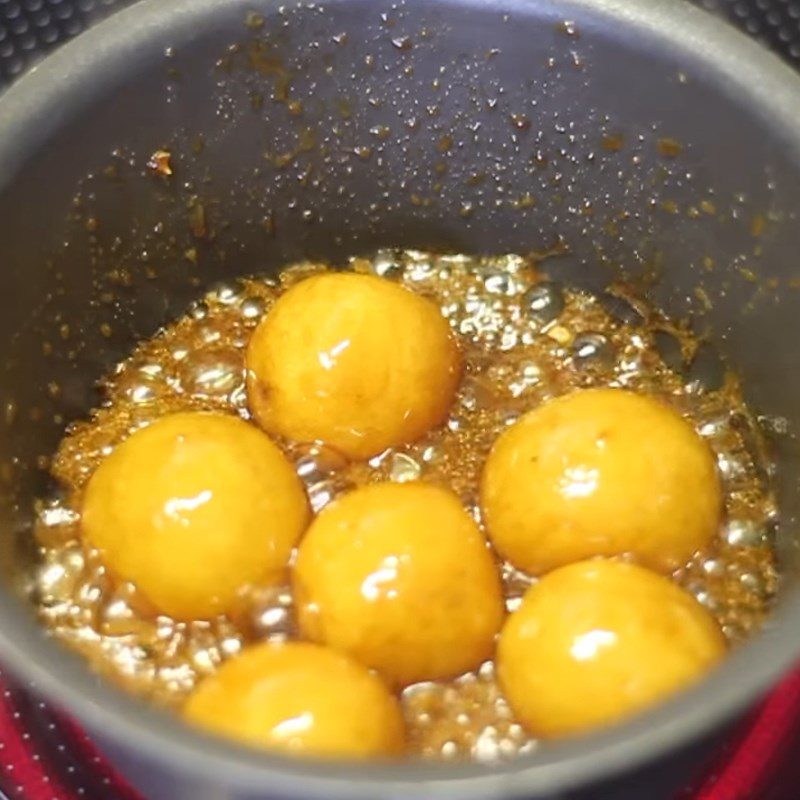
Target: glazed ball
400,577
354,361
301,698
600,472
598,641
193,508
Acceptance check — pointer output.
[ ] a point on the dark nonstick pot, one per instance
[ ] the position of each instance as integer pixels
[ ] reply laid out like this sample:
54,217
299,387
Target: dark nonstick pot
654,142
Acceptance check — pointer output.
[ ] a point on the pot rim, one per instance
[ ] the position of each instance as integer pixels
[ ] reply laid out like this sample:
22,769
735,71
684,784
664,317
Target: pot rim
60,88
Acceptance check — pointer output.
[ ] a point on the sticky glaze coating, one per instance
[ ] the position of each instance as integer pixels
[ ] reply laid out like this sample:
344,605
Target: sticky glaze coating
597,641
300,698
353,361
600,472
525,339
399,576
194,508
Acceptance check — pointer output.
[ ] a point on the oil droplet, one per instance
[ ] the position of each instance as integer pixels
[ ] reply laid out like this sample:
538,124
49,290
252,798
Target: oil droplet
620,310
543,302
592,349
404,468
213,371
140,387
402,43
612,143
252,308
669,148
315,463
381,131
520,122
569,28
745,533
273,613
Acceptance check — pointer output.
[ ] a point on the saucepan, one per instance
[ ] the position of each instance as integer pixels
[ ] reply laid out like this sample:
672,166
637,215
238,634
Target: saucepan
641,139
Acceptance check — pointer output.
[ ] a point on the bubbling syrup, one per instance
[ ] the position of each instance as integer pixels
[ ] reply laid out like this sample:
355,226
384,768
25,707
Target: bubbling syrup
525,339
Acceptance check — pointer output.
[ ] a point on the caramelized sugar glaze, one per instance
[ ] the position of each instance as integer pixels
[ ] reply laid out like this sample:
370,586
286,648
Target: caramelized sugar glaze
525,340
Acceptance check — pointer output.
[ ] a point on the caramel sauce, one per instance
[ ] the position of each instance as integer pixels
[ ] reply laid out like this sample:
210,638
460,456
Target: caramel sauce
525,340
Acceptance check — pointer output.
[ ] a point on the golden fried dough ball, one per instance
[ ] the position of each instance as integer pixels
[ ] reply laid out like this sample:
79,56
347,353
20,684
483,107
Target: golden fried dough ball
354,361
301,698
600,472
192,508
400,577
598,641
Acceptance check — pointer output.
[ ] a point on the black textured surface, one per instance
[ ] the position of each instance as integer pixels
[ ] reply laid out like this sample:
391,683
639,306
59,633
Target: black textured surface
29,29
69,769
776,23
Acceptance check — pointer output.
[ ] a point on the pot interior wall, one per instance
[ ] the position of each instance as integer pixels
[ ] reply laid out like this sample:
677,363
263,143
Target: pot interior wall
325,131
